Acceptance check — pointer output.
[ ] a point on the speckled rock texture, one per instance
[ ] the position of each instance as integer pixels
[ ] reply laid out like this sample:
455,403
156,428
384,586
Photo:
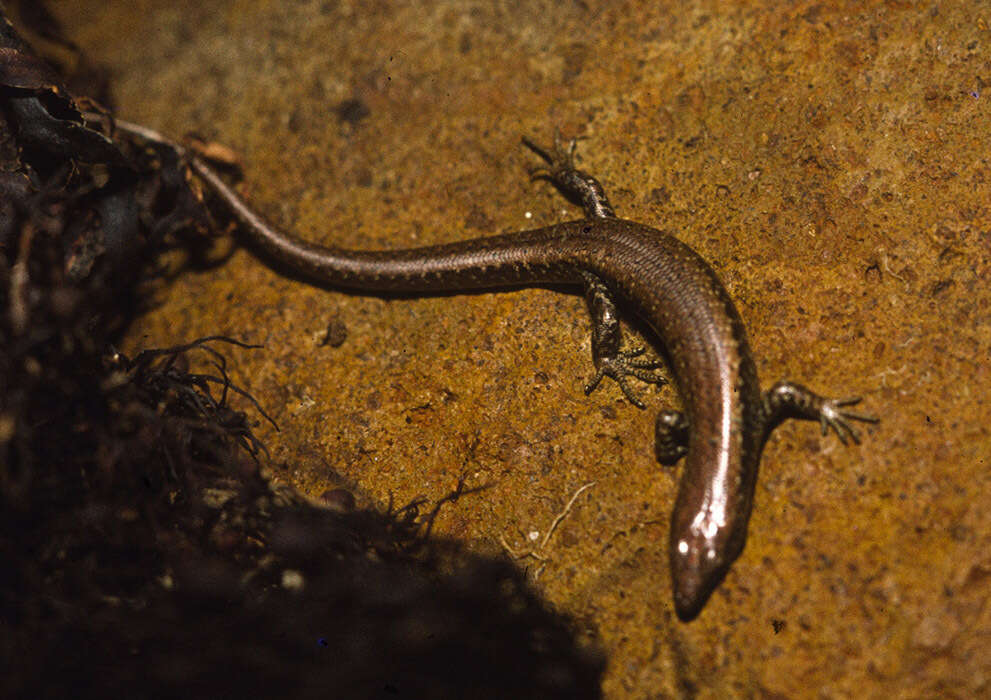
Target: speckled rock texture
829,159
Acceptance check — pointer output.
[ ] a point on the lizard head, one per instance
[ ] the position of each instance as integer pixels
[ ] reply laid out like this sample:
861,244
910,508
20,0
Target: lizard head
696,570
702,551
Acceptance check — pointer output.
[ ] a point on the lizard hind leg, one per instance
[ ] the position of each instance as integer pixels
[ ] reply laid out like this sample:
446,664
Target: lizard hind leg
610,360
574,183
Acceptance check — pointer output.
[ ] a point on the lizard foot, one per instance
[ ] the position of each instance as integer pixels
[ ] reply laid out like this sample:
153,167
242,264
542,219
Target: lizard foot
627,363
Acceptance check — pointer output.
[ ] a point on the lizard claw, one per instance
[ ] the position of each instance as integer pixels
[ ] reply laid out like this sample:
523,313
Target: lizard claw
832,415
625,364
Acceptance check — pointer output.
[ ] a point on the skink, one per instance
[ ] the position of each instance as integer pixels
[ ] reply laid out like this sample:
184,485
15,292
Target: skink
726,418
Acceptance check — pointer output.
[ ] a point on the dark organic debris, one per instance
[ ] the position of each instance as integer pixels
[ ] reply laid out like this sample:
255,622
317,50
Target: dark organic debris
163,374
